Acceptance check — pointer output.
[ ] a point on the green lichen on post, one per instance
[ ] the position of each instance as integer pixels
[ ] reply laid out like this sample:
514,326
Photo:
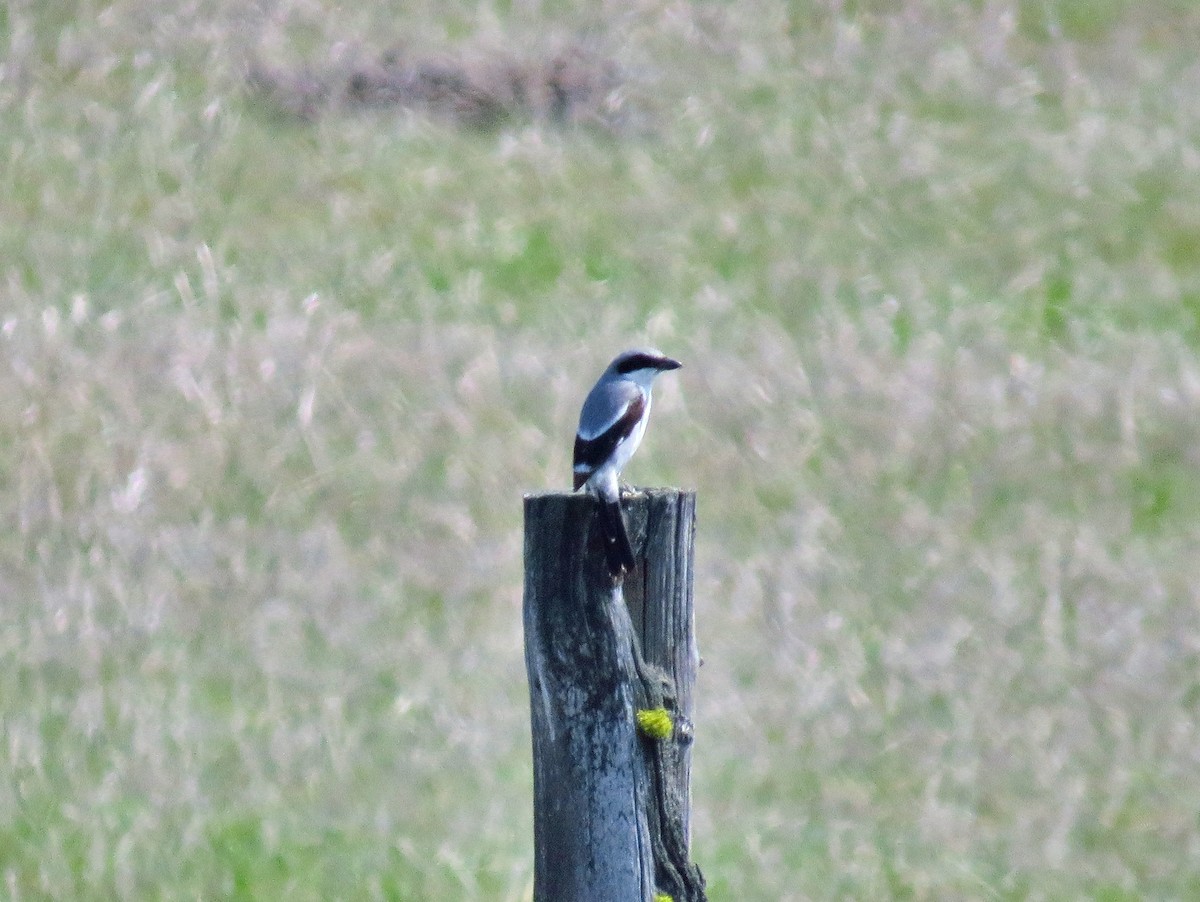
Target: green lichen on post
655,723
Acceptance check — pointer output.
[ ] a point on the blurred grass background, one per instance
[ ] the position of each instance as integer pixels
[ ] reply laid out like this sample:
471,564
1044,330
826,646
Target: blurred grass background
270,391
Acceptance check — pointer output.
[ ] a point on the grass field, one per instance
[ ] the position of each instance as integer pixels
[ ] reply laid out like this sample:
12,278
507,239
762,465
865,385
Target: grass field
271,388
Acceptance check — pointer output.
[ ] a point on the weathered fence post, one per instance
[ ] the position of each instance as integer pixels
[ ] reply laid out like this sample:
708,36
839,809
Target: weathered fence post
611,675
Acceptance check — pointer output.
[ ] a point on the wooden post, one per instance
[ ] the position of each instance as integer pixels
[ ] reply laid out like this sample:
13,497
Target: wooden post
612,803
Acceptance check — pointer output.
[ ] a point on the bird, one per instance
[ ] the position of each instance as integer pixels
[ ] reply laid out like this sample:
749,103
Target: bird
611,425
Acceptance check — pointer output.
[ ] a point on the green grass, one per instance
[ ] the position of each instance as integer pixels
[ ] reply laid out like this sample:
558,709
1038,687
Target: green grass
270,393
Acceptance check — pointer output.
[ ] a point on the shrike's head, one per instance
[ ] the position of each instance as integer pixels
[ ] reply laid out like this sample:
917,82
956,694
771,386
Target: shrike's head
640,365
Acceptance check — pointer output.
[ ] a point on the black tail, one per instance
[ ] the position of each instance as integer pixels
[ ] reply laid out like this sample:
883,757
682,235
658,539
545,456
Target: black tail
616,538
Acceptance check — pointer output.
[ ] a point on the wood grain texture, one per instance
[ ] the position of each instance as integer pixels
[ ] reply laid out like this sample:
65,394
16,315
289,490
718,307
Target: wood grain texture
611,808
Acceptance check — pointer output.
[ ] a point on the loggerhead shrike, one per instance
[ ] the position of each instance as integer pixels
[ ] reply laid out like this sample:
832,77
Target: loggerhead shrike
611,425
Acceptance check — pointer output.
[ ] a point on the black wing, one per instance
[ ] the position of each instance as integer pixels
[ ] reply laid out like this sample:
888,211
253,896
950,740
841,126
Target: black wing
592,453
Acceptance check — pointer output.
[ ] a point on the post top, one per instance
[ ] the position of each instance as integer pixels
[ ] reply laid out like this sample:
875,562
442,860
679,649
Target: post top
636,492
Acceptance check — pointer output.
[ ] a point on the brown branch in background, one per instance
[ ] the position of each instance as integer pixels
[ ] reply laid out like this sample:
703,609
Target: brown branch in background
484,90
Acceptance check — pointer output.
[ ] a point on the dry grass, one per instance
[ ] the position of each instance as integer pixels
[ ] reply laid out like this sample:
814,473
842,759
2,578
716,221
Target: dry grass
270,392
